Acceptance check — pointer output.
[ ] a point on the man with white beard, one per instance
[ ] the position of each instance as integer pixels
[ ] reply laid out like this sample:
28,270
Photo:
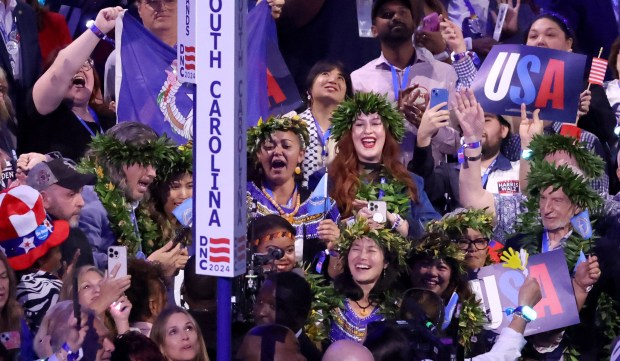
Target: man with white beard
60,186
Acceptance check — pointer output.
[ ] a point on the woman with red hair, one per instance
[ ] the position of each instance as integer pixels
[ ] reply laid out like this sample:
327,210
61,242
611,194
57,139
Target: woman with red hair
367,166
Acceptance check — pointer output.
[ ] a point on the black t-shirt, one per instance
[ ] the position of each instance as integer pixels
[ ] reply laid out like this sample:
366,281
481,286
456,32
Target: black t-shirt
60,130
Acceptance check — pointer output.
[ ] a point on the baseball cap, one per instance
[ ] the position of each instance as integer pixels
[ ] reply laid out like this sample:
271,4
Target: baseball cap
378,3
58,171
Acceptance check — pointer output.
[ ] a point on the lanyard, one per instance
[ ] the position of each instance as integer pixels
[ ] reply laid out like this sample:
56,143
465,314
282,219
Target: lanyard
485,175
381,191
398,87
289,204
95,118
7,35
323,137
134,220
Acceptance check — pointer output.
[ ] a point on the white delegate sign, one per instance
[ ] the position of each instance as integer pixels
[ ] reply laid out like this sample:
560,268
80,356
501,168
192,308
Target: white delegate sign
186,40
220,142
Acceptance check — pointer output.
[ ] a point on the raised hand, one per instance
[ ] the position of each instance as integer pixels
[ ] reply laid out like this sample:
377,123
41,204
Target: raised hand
106,19
453,36
511,22
529,127
587,273
111,289
584,103
469,114
529,293
432,120
328,232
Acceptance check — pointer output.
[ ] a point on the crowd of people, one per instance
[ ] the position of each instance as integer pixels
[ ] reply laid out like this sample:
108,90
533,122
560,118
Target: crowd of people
370,211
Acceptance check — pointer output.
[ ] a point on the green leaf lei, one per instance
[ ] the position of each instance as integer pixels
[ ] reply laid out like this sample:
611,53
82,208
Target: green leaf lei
591,164
396,195
156,152
471,321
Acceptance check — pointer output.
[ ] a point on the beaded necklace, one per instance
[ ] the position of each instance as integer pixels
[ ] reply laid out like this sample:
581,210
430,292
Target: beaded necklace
288,216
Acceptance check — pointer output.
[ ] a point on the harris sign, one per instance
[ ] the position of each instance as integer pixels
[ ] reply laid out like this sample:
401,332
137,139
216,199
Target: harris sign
548,79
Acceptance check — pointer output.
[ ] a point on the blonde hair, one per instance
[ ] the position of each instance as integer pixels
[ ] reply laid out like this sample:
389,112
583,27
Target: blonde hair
158,332
66,292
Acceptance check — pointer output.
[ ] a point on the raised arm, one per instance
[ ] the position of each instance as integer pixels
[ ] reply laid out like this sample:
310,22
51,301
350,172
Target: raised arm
471,119
50,89
527,129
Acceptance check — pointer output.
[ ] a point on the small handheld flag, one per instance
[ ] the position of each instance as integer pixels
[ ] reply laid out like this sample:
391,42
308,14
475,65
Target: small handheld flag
597,72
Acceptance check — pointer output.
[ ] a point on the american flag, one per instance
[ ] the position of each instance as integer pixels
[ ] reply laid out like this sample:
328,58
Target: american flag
219,250
597,72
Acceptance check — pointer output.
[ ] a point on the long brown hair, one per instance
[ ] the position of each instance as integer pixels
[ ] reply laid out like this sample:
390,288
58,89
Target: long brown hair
158,332
344,171
11,313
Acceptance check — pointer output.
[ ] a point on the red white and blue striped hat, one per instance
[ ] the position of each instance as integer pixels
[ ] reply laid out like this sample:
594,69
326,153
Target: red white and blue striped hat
26,234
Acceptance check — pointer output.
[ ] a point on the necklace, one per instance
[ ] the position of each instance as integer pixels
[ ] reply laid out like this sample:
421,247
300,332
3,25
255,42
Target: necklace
288,216
363,308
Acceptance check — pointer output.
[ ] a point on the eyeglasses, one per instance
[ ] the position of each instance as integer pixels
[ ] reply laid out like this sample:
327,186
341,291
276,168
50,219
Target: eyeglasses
479,243
158,4
88,64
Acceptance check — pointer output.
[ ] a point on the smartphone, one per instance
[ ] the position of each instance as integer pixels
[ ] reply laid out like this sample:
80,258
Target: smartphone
379,211
77,311
431,22
439,95
117,255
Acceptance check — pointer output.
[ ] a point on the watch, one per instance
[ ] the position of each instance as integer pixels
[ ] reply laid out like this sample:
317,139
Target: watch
456,57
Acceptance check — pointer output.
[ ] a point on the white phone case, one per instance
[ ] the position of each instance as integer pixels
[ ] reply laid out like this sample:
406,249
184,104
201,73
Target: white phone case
379,211
117,255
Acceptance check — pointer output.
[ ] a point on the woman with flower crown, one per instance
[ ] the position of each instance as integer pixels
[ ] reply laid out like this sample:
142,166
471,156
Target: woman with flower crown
367,166
373,260
276,148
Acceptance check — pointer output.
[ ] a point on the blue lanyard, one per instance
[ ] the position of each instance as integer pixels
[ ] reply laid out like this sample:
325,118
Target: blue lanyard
398,87
323,137
545,242
289,204
381,191
95,118
6,36
485,175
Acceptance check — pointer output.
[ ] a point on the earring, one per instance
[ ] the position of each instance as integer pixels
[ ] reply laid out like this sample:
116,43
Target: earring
384,273
309,97
297,170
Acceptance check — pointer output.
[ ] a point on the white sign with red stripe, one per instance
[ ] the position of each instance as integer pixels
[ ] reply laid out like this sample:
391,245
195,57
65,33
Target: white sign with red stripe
186,41
219,139
597,72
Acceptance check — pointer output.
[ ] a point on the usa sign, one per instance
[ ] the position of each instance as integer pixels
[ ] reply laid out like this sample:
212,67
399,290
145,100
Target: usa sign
498,288
548,79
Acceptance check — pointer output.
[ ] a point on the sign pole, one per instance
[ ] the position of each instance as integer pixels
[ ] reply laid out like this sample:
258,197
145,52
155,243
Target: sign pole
219,146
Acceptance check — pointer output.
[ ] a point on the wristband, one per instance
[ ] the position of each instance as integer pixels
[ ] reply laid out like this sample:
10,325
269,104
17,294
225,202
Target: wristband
72,356
456,57
525,312
396,223
91,25
526,154
472,145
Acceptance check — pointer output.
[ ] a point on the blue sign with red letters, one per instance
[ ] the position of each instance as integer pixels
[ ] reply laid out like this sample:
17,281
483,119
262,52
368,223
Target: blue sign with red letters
498,288
548,79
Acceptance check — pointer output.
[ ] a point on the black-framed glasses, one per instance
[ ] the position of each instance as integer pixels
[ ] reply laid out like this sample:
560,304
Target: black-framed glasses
479,243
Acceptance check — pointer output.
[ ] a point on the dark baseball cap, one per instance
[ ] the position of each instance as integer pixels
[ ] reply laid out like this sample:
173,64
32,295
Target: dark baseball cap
58,171
378,3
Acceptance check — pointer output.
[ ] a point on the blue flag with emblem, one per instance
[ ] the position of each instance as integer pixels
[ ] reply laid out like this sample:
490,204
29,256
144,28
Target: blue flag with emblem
150,91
